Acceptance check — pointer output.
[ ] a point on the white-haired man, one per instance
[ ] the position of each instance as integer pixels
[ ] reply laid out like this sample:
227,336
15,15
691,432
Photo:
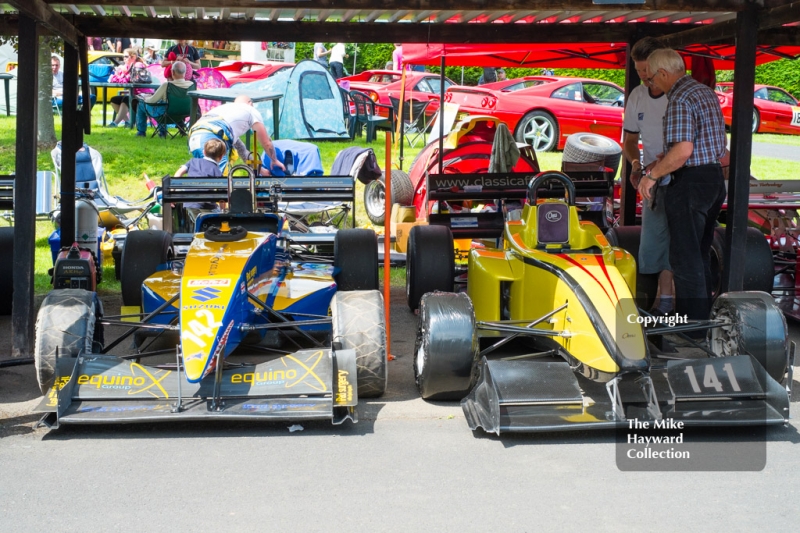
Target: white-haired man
694,144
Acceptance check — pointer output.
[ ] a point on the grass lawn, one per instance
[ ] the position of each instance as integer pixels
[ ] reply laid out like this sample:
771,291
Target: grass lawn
127,158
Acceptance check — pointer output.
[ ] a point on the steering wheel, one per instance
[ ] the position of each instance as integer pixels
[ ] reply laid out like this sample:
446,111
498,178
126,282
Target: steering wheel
550,175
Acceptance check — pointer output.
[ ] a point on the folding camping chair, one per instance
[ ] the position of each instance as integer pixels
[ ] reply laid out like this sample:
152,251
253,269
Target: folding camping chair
308,216
114,212
174,111
415,123
366,115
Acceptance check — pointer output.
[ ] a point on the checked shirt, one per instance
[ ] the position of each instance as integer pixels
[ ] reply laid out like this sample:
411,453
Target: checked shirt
693,115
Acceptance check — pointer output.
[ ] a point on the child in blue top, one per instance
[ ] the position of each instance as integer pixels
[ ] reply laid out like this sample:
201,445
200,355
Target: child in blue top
205,167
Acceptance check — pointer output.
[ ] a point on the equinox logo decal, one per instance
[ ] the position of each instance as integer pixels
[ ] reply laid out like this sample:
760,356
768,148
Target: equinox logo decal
205,294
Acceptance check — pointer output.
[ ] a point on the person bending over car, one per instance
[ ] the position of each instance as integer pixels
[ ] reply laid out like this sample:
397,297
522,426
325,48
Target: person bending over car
227,123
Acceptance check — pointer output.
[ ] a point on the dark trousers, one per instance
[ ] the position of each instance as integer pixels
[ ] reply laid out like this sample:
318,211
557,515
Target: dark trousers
693,201
337,70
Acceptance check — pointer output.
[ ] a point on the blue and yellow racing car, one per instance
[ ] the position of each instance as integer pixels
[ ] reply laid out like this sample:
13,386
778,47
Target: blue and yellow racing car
239,278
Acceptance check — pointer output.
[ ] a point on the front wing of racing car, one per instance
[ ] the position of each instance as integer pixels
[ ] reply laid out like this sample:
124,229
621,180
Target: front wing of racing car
535,396
313,384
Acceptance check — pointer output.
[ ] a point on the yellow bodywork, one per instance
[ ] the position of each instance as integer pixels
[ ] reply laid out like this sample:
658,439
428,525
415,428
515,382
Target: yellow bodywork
593,279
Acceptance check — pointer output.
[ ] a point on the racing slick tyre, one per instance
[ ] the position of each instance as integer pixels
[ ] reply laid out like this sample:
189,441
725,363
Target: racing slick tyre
359,324
375,198
628,238
759,264
430,262
447,346
757,326
538,129
68,321
6,270
591,147
756,121
355,260
144,250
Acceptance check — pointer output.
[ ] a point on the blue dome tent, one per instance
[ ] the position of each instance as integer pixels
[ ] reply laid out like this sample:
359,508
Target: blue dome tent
311,107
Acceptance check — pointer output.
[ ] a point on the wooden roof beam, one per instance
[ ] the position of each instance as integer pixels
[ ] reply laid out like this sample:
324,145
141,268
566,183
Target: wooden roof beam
224,13
149,11
98,10
486,6
398,15
323,15
49,18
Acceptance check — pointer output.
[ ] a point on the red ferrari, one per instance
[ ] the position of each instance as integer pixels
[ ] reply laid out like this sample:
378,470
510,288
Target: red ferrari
543,111
245,71
775,110
379,85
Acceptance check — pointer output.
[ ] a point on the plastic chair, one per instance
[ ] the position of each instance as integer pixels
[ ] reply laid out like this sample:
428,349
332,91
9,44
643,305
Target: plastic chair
366,115
415,123
347,107
177,109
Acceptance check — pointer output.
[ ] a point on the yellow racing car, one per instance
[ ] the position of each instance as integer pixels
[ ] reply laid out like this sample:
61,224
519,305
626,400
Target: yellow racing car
547,335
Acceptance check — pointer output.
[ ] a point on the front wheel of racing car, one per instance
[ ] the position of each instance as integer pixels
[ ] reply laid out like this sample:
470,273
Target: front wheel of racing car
538,129
757,326
359,324
628,238
375,197
144,250
446,349
430,262
759,264
355,260
69,322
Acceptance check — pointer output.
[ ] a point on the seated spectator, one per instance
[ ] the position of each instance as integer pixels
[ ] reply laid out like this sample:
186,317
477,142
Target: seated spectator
178,79
207,166
58,84
122,74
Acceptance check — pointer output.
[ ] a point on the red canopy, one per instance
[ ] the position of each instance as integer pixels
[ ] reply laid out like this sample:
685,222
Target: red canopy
557,55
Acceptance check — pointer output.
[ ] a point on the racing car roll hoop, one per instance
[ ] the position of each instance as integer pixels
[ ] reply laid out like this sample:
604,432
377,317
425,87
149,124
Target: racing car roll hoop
541,178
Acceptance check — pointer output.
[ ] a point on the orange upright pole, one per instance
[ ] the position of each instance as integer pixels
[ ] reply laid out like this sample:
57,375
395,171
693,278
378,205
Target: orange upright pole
387,237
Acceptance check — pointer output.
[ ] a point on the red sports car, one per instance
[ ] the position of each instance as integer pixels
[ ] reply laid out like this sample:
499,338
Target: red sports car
543,111
379,85
246,71
776,111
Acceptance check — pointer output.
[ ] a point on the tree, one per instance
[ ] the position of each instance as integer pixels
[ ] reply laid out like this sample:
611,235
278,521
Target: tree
46,133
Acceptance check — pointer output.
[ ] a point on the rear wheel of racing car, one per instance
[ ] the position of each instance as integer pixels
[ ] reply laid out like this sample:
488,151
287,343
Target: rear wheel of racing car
759,264
430,262
144,250
447,346
375,198
355,257
69,321
628,238
359,324
591,147
758,327
756,121
6,270
538,129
